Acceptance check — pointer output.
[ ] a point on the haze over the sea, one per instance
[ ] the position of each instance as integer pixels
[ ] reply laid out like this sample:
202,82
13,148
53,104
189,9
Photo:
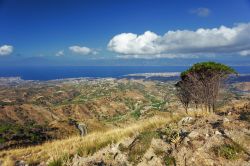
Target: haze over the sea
62,72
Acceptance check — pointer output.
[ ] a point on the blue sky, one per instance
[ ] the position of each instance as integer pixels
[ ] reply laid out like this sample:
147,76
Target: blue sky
124,32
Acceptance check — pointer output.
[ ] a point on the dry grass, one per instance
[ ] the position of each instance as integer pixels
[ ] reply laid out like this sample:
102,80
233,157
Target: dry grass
56,150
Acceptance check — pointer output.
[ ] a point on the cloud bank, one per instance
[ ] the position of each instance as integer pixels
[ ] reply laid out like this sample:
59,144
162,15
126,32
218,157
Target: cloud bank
6,50
184,43
82,50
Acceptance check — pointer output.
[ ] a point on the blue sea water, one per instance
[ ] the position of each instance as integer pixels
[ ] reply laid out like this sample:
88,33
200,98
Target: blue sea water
60,72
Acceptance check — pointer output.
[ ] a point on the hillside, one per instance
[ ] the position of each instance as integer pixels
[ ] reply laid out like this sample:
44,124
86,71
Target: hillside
129,122
34,112
178,139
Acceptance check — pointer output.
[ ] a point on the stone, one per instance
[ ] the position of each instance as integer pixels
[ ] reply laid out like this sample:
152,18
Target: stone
217,132
21,163
185,141
185,120
225,120
193,135
82,128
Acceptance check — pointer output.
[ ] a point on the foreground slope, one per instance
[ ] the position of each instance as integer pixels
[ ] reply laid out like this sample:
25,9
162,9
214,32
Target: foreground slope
178,139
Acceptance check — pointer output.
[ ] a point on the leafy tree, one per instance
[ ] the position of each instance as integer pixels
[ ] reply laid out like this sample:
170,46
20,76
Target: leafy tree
201,82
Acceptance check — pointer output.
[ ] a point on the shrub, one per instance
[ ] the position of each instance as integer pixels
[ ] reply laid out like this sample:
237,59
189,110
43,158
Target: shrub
136,114
170,135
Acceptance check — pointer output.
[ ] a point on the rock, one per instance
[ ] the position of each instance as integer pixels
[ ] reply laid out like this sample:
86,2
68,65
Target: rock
185,120
225,120
82,127
183,133
193,135
207,135
150,158
109,155
21,163
217,132
185,141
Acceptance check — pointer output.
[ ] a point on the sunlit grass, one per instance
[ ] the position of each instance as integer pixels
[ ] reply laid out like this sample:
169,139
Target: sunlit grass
83,146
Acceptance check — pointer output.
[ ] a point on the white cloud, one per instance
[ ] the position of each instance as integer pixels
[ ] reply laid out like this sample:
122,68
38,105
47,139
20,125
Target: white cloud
245,53
60,53
201,12
82,50
129,43
6,50
222,40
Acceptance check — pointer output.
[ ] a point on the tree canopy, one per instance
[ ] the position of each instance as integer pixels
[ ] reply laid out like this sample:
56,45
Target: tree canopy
200,84
208,68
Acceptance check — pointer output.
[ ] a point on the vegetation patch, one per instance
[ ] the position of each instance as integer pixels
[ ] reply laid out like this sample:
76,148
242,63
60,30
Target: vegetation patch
228,151
2,140
57,162
136,114
245,116
61,161
116,118
22,134
169,134
140,145
157,104
169,161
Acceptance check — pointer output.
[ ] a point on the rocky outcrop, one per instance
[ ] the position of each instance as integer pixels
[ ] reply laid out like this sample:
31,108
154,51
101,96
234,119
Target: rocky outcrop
82,127
206,140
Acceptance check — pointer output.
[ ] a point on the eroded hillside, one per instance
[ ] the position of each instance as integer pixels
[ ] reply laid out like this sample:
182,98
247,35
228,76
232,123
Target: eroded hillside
34,112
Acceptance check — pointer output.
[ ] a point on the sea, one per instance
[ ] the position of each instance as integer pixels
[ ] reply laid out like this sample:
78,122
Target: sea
45,73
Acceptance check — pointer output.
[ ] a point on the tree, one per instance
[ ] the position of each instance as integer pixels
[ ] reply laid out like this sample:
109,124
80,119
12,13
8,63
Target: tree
183,95
202,82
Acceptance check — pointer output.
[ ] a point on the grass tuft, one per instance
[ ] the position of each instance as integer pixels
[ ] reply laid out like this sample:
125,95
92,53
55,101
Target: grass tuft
228,151
57,162
169,161
140,145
